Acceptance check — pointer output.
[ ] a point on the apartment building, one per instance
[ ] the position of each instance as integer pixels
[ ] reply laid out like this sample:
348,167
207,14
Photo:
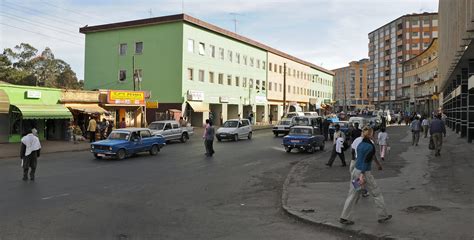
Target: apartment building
420,87
195,67
391,45
456,65
350,86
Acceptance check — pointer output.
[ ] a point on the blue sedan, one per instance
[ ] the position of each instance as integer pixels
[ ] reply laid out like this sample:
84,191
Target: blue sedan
126,142
303,138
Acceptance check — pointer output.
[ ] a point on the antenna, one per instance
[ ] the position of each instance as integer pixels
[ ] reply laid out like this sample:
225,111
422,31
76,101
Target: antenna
182,6
150,11
235,20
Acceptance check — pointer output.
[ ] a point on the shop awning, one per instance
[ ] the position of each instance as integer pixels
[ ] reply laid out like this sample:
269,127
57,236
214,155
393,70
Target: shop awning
86,108
44,111
4,102
199,106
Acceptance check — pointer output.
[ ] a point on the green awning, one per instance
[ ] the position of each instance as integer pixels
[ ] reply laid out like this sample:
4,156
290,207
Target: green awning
57,111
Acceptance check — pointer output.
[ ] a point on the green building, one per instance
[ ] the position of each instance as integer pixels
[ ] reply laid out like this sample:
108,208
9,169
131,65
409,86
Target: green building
184,63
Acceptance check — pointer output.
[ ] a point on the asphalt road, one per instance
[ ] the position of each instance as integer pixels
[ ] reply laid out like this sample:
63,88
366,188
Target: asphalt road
178,194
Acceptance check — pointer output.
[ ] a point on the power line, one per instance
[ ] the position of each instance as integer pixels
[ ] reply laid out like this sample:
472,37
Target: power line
73,11
42,34
43,25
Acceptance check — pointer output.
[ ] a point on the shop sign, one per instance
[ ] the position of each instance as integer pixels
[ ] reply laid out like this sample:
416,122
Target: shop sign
126,97
152,104
195,95
260,99
313,101
33,94
224,99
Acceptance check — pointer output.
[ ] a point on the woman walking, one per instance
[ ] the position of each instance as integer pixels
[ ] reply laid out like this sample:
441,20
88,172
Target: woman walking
361,176
382,141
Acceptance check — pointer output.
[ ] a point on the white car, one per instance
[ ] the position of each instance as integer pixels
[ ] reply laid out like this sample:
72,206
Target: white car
234,129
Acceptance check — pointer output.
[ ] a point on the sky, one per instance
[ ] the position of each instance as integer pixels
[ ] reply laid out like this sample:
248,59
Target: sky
328,33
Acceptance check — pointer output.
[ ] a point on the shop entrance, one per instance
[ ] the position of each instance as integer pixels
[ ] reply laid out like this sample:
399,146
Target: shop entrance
233,111
215,114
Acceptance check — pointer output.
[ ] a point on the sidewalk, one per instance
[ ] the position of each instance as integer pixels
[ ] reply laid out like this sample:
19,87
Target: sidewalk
429,198
12,150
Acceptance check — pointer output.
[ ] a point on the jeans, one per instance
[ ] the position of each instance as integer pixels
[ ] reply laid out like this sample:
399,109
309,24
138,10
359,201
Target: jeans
415,137
425,131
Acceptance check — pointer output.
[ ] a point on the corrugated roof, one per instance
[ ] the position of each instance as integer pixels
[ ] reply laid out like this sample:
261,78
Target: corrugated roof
199,23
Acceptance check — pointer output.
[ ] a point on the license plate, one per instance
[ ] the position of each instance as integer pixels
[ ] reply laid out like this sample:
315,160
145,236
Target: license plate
281,128
101,155
295,141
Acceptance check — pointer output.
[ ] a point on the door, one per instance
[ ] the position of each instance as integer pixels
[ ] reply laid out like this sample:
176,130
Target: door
245,128
176,131
135,143
147,141
167,131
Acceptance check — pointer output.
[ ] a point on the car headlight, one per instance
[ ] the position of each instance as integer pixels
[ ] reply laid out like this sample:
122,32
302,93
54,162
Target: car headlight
92,146
110,148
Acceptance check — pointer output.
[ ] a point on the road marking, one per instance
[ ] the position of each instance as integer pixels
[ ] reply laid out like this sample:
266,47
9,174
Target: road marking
279,149
251,164
55,196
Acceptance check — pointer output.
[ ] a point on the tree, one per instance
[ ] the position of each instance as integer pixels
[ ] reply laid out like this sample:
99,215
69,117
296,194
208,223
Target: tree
22,65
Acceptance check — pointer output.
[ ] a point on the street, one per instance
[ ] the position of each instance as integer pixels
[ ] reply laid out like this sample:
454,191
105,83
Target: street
178,194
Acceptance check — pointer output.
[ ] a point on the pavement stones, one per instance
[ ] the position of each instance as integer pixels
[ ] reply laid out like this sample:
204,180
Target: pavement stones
420,197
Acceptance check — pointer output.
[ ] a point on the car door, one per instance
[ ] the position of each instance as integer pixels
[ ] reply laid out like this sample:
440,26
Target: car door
176,131
146,140
245,128
168,131
135,142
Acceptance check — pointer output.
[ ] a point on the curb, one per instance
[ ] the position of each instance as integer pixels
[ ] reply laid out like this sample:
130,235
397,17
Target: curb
59,151
295,214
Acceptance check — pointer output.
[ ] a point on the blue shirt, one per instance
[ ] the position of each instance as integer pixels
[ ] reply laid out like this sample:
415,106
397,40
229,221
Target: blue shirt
365,153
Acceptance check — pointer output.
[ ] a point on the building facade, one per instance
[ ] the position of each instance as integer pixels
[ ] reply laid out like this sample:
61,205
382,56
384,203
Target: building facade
350,86
391,45
456,65
196,68
420,87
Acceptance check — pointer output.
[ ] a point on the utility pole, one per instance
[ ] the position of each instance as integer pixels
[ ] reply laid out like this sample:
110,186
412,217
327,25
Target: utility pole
133,73
345,96
284,89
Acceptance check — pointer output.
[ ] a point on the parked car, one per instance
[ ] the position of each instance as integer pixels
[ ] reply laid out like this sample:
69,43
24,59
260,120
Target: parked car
126,142
304,138
234,129
283,127
363,121
344,128
171,130
311,114
293,114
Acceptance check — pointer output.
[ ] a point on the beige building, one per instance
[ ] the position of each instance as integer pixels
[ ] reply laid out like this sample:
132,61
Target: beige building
350,86
420,88
390,45
456,65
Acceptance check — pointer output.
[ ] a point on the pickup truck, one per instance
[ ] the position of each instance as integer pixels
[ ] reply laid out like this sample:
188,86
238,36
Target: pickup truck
126,142
305,138
171,130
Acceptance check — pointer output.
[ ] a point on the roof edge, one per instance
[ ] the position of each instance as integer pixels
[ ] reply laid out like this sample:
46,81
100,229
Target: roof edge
406,15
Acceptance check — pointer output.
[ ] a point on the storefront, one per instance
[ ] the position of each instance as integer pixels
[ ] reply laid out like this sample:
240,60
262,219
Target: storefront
128,105
32,107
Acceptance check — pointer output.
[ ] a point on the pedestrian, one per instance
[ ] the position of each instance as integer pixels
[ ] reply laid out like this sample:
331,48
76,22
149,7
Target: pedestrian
415,127
92,128
356,132
122,123
209,138
382,142
29,153
361,175
110,127
326,124
338,148
221,119
436,129
270,118
103,128
425,124
182,122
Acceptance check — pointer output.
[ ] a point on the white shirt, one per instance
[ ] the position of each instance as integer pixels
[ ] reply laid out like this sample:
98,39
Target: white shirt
355,144
382,138
339,144
338,134
425,122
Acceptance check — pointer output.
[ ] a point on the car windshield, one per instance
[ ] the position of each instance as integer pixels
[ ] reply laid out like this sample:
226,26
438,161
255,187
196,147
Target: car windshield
231,124
301,121
300,131
118,136
286,122
156,126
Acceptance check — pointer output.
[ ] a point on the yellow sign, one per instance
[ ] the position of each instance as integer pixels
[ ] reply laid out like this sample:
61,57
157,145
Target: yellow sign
126,97
152,104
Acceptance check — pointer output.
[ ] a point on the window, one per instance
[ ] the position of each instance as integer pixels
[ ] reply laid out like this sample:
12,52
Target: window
245,60
280,86
269,86
221,53
263,65
138,75
202,49
275,87
122,75
190,74
275,67
270,66
414,34
426,22
257,84
280,68
213,50
237,81
250,83
435,34
426,34
263,86
258,63
229,55
221,78
123,49
229,80
237,57
201,75
211,77
190,45
414,22
145,134
244,83
139,47
251,61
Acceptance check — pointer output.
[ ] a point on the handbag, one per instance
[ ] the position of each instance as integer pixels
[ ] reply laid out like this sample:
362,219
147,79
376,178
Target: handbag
431,146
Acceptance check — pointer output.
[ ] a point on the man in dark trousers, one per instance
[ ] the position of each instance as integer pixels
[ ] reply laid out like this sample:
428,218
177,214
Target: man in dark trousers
326,124
29,153
209,138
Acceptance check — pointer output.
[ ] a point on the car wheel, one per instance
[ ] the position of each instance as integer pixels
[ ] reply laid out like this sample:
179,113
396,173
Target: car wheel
97,156
154,150
184,137
311,149
121,154
236,137
287,149
276,134
219,139
250,135
321,148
